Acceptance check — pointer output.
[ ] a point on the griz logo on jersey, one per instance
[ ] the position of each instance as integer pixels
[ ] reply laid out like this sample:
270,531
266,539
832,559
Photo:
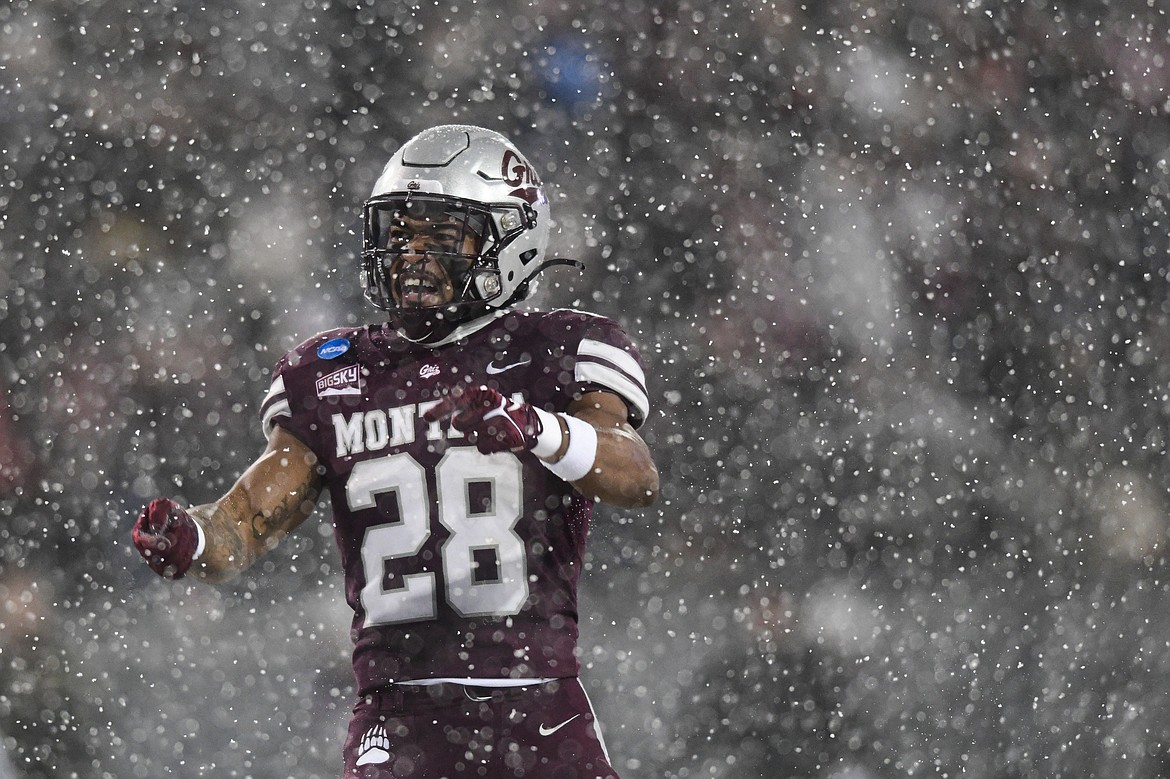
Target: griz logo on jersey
376,429
517,173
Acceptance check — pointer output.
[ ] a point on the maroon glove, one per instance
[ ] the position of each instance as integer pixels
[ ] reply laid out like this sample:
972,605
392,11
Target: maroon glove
499,424
166,536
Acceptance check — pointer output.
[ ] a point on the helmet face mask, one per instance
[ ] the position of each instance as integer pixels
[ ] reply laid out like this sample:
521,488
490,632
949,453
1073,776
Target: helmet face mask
465,197
404,233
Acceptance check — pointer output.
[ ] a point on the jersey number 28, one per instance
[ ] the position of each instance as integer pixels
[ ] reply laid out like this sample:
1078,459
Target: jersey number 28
477,533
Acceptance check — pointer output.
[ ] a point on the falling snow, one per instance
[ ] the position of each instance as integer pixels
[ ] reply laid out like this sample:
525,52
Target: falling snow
899,273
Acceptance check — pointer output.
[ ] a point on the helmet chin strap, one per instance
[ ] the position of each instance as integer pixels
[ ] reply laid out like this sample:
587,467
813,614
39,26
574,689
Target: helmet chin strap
461,330
419,325
439,329
522,288
558,261
409,322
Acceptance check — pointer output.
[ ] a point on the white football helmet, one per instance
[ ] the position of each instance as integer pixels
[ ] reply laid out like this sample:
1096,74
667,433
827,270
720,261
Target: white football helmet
473,177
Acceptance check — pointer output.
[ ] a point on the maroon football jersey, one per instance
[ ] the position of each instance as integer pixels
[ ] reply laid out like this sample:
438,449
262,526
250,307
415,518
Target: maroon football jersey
457,563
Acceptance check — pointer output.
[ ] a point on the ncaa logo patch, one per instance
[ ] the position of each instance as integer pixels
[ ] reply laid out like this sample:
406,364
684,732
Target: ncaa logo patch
333,349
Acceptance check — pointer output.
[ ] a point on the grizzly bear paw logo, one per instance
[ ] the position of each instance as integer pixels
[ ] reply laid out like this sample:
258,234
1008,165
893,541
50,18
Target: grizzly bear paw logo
374,747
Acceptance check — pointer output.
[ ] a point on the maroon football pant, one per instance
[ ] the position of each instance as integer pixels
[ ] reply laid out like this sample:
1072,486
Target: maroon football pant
449,731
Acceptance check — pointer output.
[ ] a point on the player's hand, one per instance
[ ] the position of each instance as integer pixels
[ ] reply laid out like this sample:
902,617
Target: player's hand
166,537
499,424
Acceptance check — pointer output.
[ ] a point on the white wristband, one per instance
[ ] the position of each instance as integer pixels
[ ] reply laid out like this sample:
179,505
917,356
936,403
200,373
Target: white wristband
582,451
550,439
202,539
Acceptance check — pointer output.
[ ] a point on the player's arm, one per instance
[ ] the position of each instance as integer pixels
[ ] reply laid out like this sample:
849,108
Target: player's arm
623,472
271,499
216,541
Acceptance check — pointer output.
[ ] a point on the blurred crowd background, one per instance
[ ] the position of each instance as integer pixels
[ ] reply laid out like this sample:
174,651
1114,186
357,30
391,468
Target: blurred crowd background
899,273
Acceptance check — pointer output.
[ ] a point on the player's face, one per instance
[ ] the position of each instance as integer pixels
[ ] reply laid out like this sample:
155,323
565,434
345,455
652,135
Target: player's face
425,258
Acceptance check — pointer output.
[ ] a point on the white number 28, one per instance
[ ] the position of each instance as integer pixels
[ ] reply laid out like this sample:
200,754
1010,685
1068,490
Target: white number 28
483,529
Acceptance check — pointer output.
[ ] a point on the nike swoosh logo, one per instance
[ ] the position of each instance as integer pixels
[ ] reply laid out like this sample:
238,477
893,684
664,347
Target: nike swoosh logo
493,368
545,731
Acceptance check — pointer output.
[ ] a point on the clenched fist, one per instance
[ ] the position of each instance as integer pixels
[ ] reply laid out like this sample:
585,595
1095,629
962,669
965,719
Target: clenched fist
499,424
167,538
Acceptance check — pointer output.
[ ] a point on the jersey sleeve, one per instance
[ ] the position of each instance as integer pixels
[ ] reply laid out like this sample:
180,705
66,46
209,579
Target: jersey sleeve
284,405
276,408
607,360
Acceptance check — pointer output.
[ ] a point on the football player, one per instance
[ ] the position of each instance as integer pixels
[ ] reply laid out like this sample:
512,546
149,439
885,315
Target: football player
464,443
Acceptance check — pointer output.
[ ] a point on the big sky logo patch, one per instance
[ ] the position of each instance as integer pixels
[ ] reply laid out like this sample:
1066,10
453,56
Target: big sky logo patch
344,381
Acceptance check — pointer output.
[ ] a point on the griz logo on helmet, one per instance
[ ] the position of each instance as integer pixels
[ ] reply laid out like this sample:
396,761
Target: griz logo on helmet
517,173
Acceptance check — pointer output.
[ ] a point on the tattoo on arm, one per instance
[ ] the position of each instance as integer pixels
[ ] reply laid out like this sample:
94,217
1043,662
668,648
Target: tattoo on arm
224,553
235,540
273,496
268,526
259,525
